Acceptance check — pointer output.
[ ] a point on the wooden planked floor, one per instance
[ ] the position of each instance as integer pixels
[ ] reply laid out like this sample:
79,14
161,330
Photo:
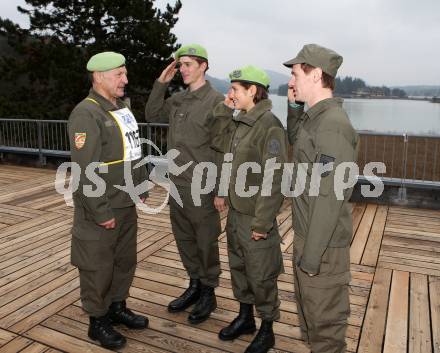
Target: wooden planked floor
394,292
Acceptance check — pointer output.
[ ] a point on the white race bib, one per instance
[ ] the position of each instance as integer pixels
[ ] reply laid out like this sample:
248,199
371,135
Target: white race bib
130,133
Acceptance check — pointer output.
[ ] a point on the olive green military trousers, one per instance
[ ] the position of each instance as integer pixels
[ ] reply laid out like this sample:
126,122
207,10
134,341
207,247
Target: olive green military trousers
196,230
322,300
255,265
106,258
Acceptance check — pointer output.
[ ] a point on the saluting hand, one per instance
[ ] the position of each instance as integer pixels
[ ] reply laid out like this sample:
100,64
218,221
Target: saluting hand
110,224
168,74
291,94
258,236
229,102
220,204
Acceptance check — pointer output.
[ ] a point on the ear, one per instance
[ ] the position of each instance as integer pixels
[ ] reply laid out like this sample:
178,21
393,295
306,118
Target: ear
252,90
204,65
317,74
97,76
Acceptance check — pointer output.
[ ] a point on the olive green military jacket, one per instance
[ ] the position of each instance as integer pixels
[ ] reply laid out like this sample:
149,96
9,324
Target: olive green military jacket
102,142
323,134
190,119
255,136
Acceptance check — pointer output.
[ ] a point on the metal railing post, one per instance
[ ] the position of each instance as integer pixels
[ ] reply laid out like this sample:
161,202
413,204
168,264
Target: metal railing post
401,195
40,142
149,149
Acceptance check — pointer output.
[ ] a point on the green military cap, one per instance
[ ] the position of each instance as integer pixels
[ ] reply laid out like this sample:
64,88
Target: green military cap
192,50
251,74
105,61
317,56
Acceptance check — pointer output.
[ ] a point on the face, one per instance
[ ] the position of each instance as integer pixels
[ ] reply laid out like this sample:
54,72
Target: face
113,81
243,98
301,83
191,70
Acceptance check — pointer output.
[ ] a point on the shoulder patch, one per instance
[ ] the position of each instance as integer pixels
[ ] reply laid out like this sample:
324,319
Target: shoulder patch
80,140
274,146
324,159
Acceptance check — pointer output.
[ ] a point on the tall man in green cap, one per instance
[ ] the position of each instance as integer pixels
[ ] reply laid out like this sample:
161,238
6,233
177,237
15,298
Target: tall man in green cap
322,223
104,140
196,228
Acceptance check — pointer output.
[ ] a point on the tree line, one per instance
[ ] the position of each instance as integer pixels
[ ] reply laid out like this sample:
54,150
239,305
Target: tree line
356,87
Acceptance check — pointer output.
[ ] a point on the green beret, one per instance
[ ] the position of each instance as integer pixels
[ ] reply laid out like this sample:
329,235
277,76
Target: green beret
105,61
192,50
251,74
317,56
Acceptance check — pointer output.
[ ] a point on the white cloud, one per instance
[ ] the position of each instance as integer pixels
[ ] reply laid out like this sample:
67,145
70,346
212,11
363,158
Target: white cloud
9,10
384,42
388,42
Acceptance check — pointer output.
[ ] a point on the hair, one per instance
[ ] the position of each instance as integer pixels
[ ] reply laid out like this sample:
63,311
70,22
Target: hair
327,80
261,91
200,61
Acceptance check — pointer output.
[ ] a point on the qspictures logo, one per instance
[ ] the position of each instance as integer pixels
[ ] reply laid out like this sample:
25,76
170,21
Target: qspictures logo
312,179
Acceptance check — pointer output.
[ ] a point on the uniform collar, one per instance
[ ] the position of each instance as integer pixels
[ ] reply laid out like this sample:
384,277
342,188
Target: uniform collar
251,117
105,103
319,107
199,93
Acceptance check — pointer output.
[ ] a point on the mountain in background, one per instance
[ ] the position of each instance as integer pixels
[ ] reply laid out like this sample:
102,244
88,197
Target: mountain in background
421,90
220,85
276,79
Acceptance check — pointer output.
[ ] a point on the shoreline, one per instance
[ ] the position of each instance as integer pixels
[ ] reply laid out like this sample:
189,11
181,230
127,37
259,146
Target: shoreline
427,99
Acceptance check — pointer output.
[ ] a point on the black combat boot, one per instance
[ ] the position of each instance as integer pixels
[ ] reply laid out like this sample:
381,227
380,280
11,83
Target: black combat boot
188,297
264,340
243,324
204,306
119,314
101,330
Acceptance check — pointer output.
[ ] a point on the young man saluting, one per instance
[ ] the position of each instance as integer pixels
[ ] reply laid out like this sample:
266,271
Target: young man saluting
196,228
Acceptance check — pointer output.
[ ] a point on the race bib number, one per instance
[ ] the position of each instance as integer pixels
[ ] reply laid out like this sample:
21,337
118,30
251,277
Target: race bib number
130,133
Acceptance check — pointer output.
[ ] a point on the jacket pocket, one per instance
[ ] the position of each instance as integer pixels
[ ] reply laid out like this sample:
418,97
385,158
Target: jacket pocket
334,270
180,121
335,261
265,258
93,254
84,227
85,253
221,139
219,143
306,147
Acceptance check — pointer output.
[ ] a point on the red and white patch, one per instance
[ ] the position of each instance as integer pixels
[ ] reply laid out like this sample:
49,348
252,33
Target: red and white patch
80,139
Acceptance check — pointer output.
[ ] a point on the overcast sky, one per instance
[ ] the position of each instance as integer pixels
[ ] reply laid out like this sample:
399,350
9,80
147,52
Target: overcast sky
390,42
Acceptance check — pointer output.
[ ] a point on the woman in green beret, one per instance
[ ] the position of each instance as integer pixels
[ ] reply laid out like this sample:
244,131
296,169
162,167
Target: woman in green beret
255,141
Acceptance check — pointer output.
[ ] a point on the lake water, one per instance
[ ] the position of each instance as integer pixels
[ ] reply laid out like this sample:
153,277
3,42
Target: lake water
382,115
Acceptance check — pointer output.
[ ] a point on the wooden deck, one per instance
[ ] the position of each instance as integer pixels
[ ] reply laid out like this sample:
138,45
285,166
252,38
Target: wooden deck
394,292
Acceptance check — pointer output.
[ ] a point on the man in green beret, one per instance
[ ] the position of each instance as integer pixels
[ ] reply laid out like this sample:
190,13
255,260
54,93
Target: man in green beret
104,140
196,228
322,136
